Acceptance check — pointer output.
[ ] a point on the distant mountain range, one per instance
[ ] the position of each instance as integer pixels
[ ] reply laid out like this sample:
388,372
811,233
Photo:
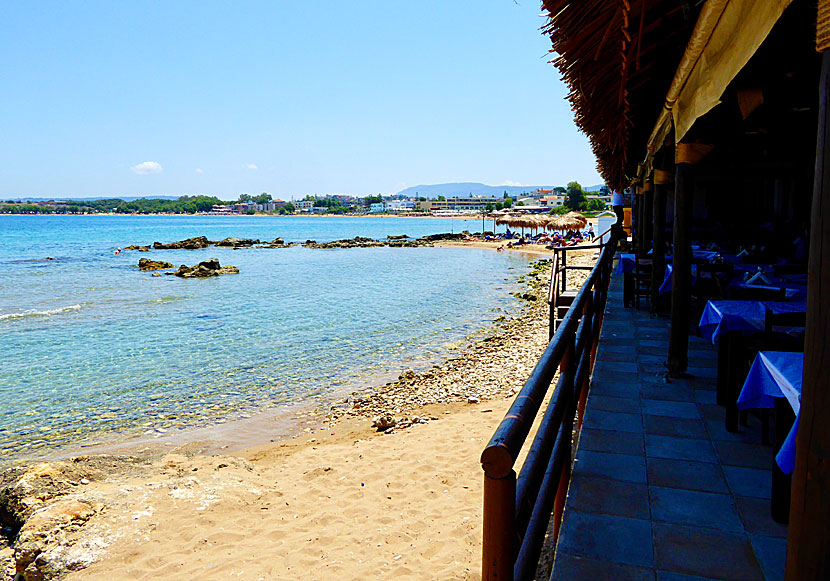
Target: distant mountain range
473,189
114,197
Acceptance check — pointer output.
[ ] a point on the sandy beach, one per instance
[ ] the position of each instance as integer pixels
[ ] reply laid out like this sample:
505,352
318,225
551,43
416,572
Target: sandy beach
338,500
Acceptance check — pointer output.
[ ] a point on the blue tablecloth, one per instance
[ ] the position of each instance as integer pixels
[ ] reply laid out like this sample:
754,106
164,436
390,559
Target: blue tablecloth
745,316
666,286
776,374
626,263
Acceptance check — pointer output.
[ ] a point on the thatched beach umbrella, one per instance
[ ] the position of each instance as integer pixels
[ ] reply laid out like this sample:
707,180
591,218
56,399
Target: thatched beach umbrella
569,221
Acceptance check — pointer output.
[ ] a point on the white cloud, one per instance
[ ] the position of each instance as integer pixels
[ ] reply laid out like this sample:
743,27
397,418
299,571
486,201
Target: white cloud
251,166
512,183
147,167
199,170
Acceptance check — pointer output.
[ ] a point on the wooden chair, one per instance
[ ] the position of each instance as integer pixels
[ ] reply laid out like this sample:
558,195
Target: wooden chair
712,280
642,277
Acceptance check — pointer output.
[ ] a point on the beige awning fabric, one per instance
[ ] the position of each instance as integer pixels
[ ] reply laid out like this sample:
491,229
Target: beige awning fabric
742,27
727,34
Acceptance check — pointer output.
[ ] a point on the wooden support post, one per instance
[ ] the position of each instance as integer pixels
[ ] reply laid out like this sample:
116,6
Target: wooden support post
686,156
682,270
646,201
808,544
658,263
637,213
499,537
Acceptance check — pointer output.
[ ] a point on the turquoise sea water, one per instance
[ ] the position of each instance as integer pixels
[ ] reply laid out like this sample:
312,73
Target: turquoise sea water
92,345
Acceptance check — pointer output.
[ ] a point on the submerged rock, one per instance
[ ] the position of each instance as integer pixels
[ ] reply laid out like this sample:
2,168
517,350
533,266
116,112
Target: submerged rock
137,247
204,269
147,264
188,244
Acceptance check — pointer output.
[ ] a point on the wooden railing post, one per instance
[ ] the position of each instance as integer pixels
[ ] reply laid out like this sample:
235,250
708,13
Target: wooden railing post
499,535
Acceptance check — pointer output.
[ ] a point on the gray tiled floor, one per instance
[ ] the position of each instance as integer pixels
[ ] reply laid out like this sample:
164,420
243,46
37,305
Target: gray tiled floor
660,490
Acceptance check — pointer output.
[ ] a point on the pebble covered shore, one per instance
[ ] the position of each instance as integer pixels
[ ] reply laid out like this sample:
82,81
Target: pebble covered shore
493,367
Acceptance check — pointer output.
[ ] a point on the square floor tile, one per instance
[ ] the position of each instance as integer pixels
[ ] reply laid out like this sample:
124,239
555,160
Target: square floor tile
613,466
665,392
612,538
743,454
609,403
705,552
694,508
610,441
571,568
674,409
603,496
668,426
752,482
616,421
679,448
755,514
772,555
684,474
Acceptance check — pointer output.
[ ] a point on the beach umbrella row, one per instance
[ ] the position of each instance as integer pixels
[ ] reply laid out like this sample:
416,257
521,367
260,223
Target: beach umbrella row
569,221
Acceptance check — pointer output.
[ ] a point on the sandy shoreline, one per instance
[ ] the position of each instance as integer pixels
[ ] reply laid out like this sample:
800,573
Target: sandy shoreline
340,500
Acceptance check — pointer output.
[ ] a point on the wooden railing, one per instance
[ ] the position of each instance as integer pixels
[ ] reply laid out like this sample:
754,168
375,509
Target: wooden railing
559,276
517,510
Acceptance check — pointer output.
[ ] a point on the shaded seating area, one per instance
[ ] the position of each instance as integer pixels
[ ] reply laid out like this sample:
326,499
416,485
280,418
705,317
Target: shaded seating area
659,486
715,116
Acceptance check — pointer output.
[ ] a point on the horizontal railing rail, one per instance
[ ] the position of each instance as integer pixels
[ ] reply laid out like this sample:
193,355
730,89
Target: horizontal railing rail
518,509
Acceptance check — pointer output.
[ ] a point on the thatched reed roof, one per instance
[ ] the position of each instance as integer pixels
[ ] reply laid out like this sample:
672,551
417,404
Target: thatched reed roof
618,58
569,221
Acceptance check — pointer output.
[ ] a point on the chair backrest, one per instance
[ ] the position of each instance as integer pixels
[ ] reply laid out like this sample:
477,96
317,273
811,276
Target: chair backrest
748,293
788,320
789,269
708,268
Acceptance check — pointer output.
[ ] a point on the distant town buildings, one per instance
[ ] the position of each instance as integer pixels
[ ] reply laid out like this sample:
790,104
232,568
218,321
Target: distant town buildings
541,200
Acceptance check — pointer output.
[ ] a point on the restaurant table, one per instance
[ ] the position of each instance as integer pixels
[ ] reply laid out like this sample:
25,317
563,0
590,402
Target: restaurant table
724,322
774,382
723,316
666,285
628,260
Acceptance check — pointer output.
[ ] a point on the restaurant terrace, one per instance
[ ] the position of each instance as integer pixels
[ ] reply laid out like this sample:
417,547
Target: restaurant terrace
673,427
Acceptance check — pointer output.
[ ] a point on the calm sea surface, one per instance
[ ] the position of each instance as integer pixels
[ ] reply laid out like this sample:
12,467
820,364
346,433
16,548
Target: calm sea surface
90,345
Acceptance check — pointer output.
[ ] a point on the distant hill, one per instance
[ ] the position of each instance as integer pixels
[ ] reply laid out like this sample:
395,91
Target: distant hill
593,188
465,189
472,189
62,198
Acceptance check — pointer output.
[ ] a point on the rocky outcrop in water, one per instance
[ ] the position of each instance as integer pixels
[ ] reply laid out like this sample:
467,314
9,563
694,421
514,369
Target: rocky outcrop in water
204,269
237,242
399,241
189,244
147,264
137,247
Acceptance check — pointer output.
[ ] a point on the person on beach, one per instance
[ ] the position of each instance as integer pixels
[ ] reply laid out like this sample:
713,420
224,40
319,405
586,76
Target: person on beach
589,234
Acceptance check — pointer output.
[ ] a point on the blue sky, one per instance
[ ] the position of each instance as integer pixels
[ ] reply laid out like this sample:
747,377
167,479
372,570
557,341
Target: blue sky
290,98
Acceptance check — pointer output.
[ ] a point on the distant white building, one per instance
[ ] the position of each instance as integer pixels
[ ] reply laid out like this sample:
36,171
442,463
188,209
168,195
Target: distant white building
400,205
304,205
377,208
